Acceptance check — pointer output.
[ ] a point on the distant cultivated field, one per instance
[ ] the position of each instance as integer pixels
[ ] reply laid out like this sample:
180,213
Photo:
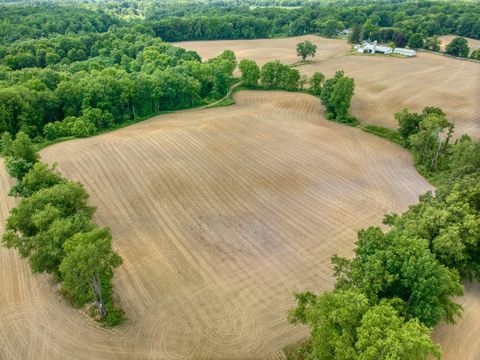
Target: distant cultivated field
473,44
219,214
264,50
384,85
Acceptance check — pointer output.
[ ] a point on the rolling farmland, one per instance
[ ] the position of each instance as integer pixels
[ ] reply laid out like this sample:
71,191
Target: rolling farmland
171,189
219,214
384,85
264,50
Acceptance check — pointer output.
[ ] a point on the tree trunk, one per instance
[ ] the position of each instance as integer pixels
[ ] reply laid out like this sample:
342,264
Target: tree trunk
442,147
97,291
433,164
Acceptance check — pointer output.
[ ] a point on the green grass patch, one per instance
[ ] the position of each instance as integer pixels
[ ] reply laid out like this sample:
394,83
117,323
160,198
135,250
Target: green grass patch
225,102
301,62
265,88
389,134
436,178
298,351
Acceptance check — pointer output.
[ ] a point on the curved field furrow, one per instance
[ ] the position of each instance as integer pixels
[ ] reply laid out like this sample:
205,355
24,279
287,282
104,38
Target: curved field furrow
384,85
264,50
220,214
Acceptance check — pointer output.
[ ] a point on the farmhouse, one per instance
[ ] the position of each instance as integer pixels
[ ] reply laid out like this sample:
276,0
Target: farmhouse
373,48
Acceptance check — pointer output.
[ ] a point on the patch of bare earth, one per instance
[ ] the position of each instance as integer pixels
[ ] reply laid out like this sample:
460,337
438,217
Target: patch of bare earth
461,341
220,215
384,85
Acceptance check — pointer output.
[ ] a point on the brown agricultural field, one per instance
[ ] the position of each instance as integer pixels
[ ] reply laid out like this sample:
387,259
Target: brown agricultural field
219,214
384,85
461,341
264,50
473,44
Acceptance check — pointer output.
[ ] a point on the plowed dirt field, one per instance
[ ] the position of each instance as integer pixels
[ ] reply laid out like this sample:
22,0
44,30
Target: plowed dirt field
384,84
219,214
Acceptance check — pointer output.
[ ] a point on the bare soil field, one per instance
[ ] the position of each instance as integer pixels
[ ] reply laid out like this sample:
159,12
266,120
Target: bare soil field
461,341
219,214
264,50
384,85
473,44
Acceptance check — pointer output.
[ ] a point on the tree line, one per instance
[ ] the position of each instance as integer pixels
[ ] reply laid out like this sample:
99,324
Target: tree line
335,93
75,85
403,18
20,22
401,282
77,71
52,227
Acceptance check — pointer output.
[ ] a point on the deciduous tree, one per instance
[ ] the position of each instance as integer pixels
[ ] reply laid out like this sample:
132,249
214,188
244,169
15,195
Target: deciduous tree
344,325
432,43
250,72
316,83
415,41
89,260
399,265
458,47
306,48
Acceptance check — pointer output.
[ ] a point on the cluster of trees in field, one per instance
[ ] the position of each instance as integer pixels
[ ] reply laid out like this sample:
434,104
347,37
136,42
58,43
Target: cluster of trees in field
52,227
429,137
401,281
335,93
459,47
76,84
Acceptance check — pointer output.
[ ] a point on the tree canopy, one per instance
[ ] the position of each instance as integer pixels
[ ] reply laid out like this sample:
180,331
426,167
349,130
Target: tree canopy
403,280
336,96
458,47
250,72
306,48
52,227
345,326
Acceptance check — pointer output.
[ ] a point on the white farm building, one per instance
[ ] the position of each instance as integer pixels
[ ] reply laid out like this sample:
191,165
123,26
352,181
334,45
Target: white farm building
406,52
373,48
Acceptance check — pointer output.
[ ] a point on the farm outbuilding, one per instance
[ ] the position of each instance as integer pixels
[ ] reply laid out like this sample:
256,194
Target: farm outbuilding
373,48
406,52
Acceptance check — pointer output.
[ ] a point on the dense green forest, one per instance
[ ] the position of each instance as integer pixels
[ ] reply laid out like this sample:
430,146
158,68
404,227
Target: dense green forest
230,21
80,71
